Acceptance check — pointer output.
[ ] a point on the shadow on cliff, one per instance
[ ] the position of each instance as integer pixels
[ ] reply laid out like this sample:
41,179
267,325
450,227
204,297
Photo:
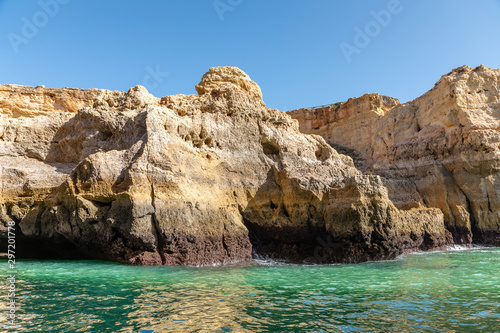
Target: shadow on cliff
288,231
81,136
89,132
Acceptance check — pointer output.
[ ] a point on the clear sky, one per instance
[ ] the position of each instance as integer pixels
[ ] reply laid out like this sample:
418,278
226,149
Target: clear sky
301,53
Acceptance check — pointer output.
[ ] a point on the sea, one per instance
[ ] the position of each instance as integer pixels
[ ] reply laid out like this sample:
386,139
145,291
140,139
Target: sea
457,290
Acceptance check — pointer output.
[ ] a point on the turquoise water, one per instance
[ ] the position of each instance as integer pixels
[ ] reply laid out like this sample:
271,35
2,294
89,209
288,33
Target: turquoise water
452,291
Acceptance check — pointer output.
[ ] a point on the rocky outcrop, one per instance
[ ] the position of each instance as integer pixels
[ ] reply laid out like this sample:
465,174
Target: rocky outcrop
351,124
22,101
198,179
440,150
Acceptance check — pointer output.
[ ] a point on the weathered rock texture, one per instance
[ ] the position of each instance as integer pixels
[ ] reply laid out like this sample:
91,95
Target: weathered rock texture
196,179
440,150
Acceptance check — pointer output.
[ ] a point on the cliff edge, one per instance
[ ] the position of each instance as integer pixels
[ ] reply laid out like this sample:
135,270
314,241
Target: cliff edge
440,150
195,180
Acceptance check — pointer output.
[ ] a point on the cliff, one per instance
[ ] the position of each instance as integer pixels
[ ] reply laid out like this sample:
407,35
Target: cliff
197,179
440,150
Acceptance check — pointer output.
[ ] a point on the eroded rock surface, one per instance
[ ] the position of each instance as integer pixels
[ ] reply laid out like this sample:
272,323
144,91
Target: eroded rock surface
197,179
440,150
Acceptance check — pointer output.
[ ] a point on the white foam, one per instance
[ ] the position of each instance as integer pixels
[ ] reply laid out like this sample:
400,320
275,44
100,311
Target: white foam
459,247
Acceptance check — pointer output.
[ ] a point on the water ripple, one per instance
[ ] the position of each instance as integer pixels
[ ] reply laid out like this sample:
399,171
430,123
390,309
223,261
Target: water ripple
440,291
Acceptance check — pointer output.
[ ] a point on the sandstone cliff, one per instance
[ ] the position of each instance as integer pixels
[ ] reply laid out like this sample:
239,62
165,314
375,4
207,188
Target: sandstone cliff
440,150
196,179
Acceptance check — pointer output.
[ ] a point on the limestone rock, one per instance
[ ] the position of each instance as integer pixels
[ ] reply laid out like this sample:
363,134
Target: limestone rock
441,150
224,79
17,101
350,124
189,180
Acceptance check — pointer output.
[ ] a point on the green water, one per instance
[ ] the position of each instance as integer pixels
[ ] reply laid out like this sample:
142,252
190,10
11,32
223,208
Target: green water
453,291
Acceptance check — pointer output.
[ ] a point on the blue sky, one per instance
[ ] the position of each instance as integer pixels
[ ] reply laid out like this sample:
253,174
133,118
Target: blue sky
295,50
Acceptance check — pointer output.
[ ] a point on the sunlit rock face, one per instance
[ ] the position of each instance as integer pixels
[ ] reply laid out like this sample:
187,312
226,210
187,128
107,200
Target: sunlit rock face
440,150
195,180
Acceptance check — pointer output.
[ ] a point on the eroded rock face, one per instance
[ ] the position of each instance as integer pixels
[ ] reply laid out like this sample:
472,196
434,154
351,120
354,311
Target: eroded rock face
23,101
189,180
351,124
440,150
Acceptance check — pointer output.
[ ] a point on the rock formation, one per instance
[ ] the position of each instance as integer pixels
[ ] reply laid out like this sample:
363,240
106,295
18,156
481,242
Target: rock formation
440,150
213,177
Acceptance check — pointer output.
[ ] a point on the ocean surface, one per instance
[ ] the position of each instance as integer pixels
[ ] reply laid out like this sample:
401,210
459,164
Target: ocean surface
449,291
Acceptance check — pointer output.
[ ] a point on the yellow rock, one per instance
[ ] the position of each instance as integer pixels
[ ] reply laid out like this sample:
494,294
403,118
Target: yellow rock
192,179
438,151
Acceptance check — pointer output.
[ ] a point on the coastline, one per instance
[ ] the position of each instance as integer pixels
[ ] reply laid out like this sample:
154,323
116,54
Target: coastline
212,178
